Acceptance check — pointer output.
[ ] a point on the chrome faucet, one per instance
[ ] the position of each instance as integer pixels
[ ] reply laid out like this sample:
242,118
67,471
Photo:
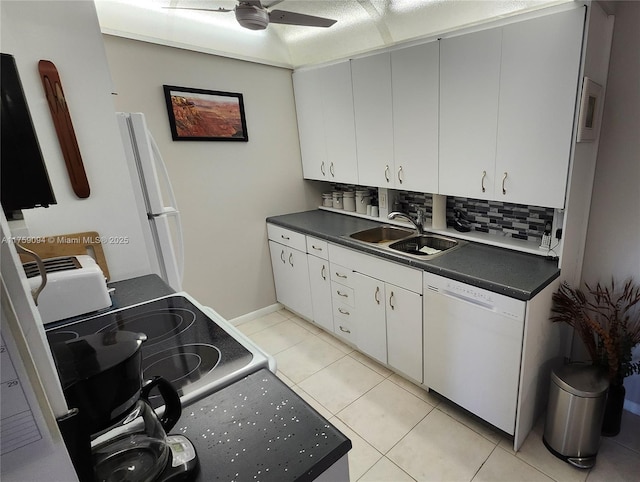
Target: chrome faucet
418,222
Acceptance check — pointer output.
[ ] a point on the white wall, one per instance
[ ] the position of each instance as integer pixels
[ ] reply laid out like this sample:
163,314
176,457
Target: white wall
67,33
225,190
613,237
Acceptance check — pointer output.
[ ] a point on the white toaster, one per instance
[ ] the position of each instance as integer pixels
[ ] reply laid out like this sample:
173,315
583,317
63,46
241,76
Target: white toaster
75,286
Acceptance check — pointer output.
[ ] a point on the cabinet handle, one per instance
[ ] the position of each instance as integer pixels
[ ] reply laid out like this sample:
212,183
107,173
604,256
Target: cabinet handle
504,191
282,256
322,169
286,238
341,275
344,329
316,248
322,272
391,301
400,174
331,170
344,312
484,174
290,256
386,172
340,293
375,296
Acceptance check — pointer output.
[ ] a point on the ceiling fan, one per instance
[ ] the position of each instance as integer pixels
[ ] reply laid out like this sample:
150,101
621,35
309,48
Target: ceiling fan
253,15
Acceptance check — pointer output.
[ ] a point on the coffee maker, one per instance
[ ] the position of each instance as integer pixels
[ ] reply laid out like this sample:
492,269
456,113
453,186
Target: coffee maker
112,433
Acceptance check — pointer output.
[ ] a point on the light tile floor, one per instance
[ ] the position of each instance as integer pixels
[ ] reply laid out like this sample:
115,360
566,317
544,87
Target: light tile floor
400,432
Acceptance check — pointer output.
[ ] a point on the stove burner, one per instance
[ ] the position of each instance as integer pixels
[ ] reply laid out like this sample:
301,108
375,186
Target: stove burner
182,364
158,325
61,336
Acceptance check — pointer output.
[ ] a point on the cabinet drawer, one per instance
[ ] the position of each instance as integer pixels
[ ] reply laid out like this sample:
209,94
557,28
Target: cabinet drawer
344,322
317,247
343,294
341,275
287,237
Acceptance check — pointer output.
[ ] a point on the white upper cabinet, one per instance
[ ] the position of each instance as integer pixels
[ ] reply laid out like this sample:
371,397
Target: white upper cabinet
395,98
469,89
507,106
306,84
339,126
414,81
324,108
538,85
373,117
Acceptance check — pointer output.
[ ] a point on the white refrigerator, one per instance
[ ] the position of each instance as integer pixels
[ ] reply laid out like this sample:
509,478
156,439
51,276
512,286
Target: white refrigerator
155,200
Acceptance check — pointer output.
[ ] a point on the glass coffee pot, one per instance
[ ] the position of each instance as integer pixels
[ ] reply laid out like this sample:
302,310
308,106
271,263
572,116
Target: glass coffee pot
101,376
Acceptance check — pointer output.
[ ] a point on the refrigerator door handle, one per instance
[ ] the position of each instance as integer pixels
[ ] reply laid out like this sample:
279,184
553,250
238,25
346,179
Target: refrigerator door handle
172,199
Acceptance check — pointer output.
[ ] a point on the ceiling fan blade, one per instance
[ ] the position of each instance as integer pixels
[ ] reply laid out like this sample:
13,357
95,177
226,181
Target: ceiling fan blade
292,18
219,9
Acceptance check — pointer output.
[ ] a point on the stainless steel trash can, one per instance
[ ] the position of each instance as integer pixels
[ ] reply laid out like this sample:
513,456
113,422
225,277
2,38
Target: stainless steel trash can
577,399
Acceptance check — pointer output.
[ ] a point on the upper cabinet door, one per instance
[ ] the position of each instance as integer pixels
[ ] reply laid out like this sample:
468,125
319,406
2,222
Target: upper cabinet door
339,125
469,88
538,85
414,81
306,85
373,116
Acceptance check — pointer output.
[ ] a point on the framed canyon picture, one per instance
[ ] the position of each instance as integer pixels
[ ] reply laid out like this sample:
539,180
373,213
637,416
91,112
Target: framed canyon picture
205,115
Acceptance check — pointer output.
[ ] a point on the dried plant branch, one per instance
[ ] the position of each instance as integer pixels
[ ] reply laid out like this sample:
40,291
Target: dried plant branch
607,320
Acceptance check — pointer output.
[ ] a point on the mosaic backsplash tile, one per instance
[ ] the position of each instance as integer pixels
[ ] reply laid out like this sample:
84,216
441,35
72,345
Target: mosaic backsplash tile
494,217
514,220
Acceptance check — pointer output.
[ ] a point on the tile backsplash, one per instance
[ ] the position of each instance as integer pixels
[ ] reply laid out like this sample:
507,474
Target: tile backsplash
494,217
514,220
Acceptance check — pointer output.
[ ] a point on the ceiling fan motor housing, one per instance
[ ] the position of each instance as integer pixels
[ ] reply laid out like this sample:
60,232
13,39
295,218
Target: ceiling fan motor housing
252,17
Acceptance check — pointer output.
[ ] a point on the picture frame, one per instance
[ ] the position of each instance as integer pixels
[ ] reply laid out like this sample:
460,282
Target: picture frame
205,115
590,107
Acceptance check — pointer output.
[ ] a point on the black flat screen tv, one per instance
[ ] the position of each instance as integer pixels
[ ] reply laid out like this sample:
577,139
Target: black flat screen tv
24,181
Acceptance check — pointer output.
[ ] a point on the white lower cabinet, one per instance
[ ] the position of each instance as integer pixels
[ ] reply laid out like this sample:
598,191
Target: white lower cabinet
372,319
291,277
389,324
404,331
320,284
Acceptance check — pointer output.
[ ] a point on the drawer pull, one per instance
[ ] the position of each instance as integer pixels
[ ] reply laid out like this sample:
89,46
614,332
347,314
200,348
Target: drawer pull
286,238
344,312
322,272
340,293
341,275
391,301
375,296
290,261
316,248
344,329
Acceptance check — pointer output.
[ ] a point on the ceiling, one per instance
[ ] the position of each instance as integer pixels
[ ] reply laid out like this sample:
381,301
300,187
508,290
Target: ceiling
362,25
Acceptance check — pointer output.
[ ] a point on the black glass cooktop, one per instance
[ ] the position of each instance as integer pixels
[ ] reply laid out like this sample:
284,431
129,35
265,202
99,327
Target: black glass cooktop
183,345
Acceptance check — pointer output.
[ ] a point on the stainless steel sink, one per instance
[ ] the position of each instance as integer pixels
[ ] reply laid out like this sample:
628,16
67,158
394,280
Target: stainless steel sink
425,246
382,234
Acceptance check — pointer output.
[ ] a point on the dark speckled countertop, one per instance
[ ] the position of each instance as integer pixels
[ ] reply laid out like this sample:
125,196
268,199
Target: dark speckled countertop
258,429
512,273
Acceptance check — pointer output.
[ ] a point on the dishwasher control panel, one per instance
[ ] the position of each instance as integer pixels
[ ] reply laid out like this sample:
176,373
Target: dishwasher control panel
489,300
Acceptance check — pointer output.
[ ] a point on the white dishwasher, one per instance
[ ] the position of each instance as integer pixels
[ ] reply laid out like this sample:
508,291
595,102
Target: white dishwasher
472,348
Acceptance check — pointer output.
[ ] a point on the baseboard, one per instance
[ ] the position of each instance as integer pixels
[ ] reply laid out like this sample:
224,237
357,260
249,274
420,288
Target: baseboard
256,314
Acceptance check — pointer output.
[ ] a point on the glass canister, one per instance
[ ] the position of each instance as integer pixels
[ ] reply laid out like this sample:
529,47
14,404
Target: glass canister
337,199
327,199
349,201
362,199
